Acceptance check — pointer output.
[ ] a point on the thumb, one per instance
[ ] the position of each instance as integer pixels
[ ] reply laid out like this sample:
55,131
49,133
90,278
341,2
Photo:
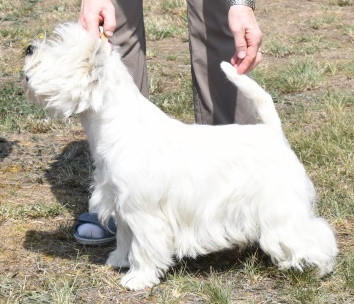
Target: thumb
109,23
240,44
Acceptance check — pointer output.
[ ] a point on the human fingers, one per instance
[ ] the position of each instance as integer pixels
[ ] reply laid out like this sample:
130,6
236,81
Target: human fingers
253,53
238,21
247,36
95,13
109,20
247,64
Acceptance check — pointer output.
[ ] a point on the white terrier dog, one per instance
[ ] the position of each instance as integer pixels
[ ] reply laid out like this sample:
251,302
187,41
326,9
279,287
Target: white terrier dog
179,190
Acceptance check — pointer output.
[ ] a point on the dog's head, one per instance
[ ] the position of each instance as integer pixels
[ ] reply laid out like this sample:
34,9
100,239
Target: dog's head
66,72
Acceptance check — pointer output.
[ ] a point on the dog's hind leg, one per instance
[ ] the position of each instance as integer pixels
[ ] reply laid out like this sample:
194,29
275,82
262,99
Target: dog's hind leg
297,239
151,251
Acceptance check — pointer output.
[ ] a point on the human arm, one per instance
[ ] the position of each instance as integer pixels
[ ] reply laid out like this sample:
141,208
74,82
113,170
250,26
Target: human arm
247,36
98,12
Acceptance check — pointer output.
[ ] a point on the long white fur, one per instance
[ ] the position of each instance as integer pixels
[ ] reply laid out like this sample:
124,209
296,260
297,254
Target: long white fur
179,190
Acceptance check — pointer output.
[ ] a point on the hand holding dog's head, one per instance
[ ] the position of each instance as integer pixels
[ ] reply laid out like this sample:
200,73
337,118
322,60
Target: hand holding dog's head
65,73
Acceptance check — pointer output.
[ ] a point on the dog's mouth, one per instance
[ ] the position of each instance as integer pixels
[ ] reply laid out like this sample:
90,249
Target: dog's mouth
30,94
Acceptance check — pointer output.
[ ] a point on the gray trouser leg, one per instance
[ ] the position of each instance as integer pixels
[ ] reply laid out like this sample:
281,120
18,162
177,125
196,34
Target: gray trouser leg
215,99
130,37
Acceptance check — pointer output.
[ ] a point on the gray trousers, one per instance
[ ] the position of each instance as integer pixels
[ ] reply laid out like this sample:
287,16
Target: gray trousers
210,41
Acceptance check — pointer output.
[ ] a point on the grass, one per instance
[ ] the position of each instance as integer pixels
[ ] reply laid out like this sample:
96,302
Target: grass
215,291
347,268
45,166
14,112
301,45
326,150
63,291
175,104
321,22
169,22
37,210
58,291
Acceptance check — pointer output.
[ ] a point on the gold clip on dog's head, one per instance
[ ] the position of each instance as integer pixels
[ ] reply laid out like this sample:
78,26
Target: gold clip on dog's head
102,35
104,38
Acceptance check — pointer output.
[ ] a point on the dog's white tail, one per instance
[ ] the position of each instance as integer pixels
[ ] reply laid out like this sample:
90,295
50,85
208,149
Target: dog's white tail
261,99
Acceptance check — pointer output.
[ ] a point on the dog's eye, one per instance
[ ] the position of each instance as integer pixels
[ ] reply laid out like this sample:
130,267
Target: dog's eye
29,50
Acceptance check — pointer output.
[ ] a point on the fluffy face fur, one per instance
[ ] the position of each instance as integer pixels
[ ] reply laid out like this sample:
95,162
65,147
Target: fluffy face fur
179,190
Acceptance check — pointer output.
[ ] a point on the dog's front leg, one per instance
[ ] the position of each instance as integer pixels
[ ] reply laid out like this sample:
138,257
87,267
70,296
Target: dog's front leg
119,257
151,250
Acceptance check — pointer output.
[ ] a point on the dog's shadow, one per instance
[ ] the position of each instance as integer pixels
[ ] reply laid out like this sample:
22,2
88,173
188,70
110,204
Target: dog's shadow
223,261
69,177
5,148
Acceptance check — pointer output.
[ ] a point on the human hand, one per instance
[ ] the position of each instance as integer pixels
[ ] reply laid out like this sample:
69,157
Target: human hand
248,38
98,12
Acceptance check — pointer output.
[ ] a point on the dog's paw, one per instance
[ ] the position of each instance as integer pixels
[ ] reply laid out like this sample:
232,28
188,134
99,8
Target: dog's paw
139,280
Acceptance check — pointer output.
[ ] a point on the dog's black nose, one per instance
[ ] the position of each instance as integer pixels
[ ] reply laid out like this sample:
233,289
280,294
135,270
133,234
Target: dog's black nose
29,50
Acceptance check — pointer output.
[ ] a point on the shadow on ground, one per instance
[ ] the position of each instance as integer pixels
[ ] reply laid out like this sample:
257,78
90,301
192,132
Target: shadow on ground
69,177
60,243
5,148
56,245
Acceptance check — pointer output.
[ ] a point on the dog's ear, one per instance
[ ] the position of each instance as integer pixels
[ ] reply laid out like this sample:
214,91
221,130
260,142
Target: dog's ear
94,76
97,60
